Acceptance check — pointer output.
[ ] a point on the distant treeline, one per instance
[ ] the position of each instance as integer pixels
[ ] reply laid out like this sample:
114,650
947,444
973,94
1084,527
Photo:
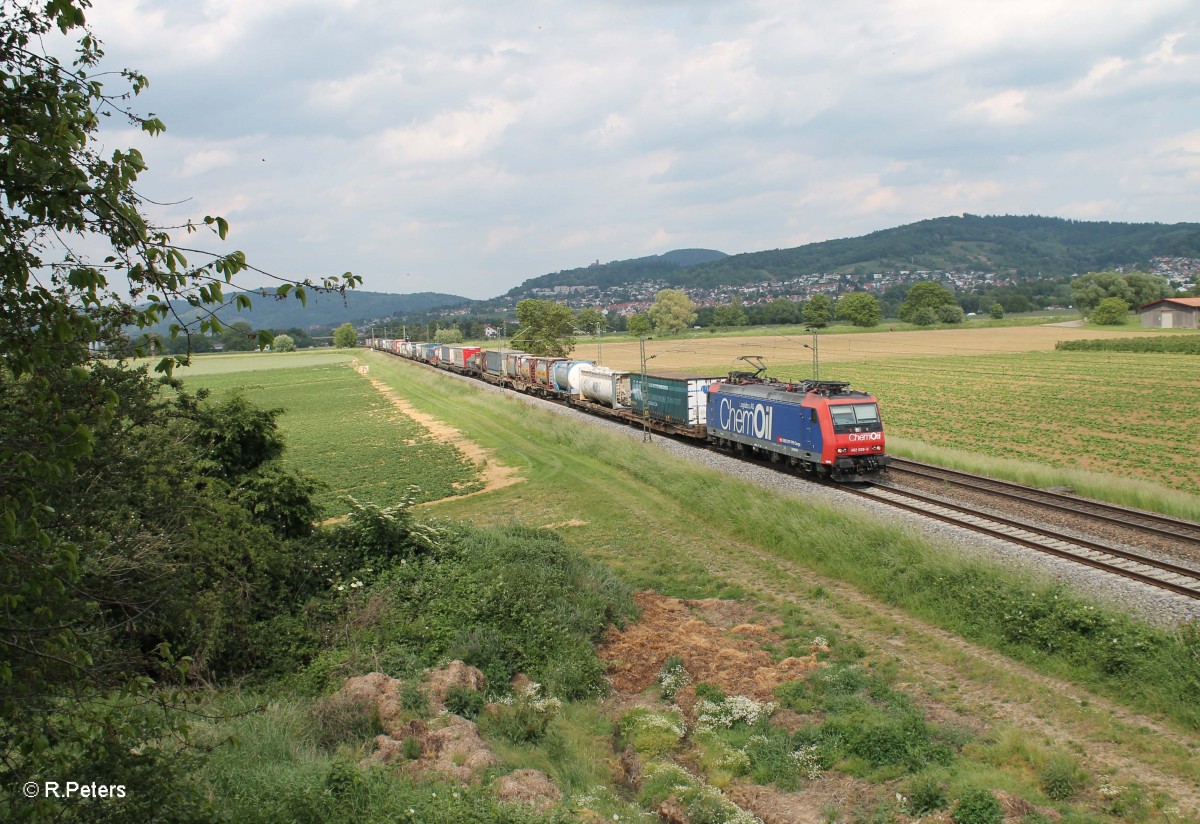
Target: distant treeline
1165,344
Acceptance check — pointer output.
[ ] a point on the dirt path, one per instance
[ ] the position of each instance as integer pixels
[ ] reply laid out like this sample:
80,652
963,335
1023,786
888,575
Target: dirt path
494,474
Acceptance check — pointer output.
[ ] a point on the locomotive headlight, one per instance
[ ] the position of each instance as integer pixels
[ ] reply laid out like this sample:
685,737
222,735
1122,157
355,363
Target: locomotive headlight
877,448
842,450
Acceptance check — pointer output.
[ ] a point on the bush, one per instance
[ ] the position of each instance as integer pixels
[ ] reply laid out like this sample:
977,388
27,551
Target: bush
950,313
925,316
464,701
1110,312
1157,344
925,795
522,717
341,719
996,311
673,677
978,807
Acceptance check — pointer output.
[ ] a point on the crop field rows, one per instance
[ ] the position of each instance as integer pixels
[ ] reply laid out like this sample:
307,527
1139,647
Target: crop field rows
1126,415
377,454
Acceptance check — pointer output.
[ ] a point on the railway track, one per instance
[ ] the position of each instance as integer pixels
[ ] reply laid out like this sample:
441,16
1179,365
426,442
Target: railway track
1186,533
1145,569
1180,580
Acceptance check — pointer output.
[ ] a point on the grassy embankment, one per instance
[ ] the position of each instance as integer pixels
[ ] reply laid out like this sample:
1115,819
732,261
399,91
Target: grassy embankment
634,497
665,524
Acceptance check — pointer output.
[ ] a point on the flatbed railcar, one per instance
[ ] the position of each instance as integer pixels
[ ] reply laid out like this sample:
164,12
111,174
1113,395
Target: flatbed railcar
823,428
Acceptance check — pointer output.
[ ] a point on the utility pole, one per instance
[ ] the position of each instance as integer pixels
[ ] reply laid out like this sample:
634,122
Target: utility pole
816,353
645,408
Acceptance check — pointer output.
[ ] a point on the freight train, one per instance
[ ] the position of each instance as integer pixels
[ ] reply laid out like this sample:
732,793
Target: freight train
822,428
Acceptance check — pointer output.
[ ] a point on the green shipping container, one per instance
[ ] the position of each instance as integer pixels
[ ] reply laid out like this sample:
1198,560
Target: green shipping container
678,398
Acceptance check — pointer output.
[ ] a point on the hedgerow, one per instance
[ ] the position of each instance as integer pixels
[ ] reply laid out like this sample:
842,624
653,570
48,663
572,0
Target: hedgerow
1158,344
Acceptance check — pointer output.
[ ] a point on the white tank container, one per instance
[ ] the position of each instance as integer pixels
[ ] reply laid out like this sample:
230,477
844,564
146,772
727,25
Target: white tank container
605,386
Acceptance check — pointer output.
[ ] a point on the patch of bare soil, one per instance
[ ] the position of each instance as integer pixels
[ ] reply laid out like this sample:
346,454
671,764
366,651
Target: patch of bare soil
805,806
529,787
374,692
451,749
494,474
455,674
730,658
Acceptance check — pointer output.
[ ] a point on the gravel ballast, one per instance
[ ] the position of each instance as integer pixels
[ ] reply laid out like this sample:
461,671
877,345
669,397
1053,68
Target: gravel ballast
1150,603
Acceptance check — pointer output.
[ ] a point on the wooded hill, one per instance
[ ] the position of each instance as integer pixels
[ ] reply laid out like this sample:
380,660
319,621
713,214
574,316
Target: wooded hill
1019,246
322,310
617,272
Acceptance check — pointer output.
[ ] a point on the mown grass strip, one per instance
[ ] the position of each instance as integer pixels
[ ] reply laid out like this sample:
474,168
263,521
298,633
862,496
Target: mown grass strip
377,453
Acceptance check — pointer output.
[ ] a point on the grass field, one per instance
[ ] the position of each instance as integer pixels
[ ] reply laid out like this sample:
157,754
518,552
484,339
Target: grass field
1126,415
224,364
339,429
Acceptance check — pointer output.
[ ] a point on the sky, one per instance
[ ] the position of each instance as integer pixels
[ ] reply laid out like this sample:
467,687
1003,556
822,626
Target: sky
464,147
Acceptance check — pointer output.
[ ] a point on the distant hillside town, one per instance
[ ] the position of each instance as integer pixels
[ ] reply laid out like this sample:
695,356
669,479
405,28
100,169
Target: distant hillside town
635,298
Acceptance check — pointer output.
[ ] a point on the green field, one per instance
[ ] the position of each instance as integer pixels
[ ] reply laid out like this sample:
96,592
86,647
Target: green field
1127,415
340,430
222,364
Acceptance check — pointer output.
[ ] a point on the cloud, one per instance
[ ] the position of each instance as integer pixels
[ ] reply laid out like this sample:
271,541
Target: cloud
1006,108
482,144
206,160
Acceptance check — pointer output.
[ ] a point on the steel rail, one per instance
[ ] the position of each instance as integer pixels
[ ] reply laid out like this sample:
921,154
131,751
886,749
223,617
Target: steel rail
1175,528
1036,538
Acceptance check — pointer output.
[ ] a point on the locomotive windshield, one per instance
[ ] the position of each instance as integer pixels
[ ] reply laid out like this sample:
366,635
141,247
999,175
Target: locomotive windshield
855,417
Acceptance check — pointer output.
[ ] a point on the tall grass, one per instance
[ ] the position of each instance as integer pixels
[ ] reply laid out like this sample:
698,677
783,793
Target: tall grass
266,767
1102,487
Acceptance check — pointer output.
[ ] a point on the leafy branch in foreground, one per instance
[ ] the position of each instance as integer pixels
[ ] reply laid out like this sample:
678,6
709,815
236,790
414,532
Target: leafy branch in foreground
74,433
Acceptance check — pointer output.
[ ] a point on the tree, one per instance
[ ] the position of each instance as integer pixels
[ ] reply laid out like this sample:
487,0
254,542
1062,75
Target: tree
547,328
239,336
925,316
1147,288
1088,290
451,334
996,311
345,336
860,308
639,326
780,311
731,315
283,343
591,321
1110,312
950,313
672,312
105,517
924,295
818,311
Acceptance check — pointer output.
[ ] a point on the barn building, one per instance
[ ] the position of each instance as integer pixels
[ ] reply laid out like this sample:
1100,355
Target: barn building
1171,313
